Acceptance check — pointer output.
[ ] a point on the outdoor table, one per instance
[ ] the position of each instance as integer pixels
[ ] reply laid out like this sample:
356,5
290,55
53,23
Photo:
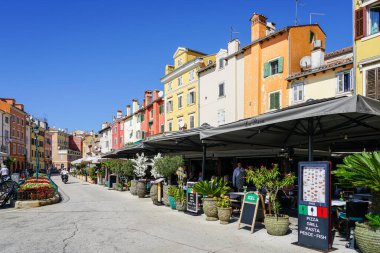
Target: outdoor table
339,203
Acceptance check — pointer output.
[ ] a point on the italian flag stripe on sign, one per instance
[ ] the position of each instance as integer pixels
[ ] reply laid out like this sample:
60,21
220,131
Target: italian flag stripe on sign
302,209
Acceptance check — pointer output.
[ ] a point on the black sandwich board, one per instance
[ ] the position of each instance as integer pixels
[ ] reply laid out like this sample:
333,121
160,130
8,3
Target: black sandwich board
192,198
314,205
249,209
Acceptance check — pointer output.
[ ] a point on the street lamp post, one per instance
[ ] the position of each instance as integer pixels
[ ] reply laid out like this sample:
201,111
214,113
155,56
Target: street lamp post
36,132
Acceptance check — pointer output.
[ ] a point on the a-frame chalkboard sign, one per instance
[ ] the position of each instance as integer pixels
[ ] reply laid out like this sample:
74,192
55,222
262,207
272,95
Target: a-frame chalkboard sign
249,209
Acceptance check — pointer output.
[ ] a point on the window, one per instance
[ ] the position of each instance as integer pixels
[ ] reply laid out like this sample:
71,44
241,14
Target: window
274,100
179,62
161,109
138,134
180,101
18,120
373,83
344,82
221,90
170,126
274,67
169,86
22,122
121,126
115,141
14,148
297,92
191,75
191,121
374,19
115,129
191,98
6,120
221,117
169,106
151,114
180,81
221,63
162,128
18,134
6,134
121,140
13,118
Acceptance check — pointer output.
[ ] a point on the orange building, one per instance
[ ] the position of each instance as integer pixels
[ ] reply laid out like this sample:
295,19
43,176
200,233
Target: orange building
270,58
17,134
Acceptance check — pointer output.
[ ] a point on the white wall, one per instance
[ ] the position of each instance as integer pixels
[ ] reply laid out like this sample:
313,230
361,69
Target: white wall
232,75
128,130
106,137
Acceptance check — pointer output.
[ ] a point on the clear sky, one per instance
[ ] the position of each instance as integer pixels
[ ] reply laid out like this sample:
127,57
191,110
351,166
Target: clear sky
76,62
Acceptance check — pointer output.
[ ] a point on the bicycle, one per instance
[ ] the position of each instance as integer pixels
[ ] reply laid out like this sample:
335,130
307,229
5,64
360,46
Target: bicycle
8,191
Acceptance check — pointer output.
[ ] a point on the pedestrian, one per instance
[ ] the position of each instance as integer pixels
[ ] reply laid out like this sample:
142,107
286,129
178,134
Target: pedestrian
48,172
238,177
4,172
200,177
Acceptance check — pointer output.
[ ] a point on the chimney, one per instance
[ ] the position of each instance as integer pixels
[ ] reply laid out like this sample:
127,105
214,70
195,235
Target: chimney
155,95
233,46
118,114
128,110
271,28
104,125
135,105
317,55
147,97
258,26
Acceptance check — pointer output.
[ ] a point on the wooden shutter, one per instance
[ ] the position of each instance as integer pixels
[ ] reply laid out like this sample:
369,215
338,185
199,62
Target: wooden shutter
162,128
271,101
371,83
280,64
277,100
266,69
360,23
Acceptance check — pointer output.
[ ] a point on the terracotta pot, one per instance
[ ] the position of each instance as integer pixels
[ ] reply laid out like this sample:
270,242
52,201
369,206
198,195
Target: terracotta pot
367,239
276,225
181,207
134,187
141,189
224,214
210,209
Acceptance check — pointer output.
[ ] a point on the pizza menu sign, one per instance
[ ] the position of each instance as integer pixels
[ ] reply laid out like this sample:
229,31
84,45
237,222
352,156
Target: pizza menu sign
314,227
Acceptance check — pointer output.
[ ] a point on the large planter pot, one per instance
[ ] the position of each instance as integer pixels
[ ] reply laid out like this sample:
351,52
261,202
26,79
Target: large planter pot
210,209
367,239
165,195
181,207
276,225
154,193
172,202
134,187
141,189
224,214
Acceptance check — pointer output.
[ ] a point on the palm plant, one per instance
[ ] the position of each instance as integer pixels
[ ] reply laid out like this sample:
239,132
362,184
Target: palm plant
362,170
214,188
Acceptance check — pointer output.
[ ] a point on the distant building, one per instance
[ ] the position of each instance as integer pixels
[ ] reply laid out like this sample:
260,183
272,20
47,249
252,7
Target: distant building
153,114
5,118
105,138
118,130
62,156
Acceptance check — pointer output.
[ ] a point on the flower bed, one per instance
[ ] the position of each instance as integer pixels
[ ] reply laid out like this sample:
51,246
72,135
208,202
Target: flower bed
34,189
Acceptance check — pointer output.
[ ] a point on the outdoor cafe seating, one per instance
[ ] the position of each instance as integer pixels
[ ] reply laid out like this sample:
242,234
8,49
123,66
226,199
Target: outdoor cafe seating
354,211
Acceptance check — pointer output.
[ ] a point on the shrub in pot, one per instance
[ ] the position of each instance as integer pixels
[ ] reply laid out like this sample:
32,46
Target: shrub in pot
363,170
272,181
156,175
224,209
209,190
120,186
172,192
166,166
140,165
180,200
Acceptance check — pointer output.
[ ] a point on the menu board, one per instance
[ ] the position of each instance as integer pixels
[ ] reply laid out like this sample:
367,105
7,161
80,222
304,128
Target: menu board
314,208
314,184
192,198
249,210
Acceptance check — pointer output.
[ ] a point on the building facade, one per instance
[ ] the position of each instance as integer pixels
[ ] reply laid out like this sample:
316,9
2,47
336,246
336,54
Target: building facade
153,114
332,78
5,118
221,87
118,131
181,88
270,58
44,157
48,150
105,138
367,49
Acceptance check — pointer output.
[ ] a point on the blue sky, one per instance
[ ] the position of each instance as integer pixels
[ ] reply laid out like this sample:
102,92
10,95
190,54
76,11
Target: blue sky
76,62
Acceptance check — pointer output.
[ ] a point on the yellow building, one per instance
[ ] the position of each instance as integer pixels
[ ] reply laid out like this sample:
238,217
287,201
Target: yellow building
367,47
181,88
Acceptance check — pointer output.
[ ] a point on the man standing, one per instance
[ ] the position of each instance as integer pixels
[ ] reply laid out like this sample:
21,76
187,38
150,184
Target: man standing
4,172
238,177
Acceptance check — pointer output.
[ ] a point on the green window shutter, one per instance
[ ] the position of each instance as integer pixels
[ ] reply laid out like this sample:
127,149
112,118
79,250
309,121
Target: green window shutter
277,99
160,109
266,69
271,101
280,64
142,117
143,135
162,128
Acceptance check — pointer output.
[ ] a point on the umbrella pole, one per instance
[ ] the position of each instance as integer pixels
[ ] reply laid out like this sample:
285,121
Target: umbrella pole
310,148
204,161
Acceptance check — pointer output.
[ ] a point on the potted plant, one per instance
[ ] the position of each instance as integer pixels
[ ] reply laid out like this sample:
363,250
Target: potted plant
363,170
120,186
156,175
272,181
140,166
224,209
180,199
209,190
167,166
172,192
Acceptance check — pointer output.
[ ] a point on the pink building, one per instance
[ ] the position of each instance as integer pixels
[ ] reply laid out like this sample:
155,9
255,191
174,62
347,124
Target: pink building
117,127
154,116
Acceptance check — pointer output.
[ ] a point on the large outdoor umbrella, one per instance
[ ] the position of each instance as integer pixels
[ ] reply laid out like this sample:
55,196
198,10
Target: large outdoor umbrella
338,124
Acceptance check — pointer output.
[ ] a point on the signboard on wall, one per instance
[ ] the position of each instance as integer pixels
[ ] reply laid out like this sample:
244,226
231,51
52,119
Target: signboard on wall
314,205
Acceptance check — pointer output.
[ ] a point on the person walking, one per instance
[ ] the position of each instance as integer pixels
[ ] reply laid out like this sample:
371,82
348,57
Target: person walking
238,177
4,172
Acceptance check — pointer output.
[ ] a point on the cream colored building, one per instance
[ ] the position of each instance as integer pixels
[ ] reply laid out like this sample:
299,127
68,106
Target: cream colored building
62,156
325,76
221,87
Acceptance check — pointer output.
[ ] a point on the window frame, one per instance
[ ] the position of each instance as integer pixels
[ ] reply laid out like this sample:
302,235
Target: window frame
169,102
341,74
192,115
368,20
221,63
219,113
191,75
170,125
279,98
179,98
297,86
191,97
224,90
180,81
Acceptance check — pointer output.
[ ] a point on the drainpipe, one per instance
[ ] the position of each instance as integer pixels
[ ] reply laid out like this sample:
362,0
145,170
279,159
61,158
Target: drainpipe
310,146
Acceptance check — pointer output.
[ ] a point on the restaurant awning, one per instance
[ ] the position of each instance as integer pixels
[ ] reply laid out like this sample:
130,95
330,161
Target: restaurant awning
337,124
